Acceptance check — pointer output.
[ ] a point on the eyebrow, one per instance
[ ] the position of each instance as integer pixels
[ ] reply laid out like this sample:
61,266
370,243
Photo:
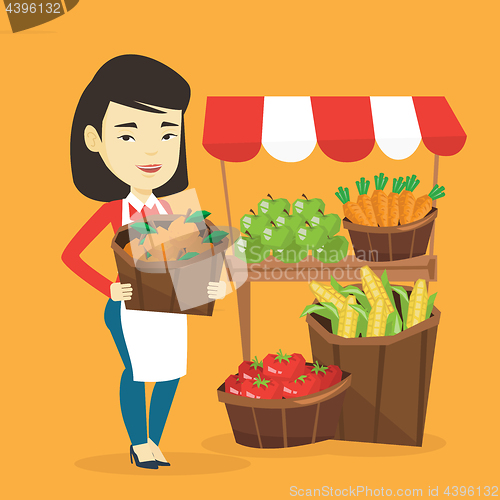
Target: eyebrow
169,124
127,125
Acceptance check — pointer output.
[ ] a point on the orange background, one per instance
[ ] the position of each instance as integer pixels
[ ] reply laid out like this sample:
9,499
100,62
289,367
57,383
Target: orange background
63,434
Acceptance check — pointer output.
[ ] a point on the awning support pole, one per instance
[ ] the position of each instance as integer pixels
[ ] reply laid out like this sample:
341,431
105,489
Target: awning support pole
226,194
434,182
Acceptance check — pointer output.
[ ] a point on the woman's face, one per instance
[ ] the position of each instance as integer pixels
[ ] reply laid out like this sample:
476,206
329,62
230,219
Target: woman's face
141,148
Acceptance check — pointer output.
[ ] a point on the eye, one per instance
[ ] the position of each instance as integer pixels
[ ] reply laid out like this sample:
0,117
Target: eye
167,137
127,138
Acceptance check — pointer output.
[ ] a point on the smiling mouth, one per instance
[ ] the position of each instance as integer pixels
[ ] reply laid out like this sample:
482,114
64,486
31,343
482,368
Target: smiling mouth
149,169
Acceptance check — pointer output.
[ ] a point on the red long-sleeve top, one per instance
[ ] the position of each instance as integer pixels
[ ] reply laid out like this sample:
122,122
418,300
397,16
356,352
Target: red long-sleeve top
109,213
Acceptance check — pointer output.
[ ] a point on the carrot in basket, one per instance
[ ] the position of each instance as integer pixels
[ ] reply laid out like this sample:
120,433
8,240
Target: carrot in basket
397,187
380,201
351,210
407,200
365,202
423,204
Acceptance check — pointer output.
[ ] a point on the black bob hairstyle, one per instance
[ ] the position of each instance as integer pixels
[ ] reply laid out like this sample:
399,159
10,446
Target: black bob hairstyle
127,80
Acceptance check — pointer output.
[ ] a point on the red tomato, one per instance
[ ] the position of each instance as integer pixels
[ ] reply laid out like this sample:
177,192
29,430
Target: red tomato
301,386
284,366
248,370
262,388
233,385
329,375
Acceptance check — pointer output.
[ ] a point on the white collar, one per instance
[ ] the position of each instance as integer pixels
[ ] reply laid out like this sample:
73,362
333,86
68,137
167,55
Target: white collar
138,204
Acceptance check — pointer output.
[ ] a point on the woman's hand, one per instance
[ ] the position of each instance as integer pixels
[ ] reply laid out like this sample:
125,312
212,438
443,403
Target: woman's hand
120,291
216,290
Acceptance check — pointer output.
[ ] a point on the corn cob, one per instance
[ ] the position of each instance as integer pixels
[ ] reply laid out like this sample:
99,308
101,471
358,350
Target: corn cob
327,295
417,307
377,319
348,319
373,288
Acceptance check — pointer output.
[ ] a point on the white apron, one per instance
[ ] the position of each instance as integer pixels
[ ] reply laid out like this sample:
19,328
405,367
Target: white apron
156,341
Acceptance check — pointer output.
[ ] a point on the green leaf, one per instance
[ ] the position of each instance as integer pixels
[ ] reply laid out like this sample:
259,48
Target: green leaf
318,368
143,227
215,237
328,311
332,308
148,255
198,216
360,296
256,363
189,255
403,295
302,378
362,319
261,381
282,357
360,310
143,239
388,289
430,305
314,308
335,285
394,324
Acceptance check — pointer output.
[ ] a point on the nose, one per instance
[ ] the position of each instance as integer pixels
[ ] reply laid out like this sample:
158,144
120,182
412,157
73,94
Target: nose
152,154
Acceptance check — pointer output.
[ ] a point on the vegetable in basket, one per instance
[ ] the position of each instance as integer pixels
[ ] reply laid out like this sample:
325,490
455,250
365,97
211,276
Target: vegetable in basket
407,200
380,201
262,388
181,240
365,201
423,205
284,366
393,201
329,375
303,385
351,210
232,385
374,308
249,370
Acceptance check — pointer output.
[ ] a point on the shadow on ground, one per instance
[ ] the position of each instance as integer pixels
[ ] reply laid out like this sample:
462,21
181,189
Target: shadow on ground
183,464
225,444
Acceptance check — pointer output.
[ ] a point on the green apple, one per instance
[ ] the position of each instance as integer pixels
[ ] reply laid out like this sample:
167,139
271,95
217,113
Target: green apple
331,222
276,237
307,208
253,223
291,221
334,250
292,254
273,208
250,249
312,237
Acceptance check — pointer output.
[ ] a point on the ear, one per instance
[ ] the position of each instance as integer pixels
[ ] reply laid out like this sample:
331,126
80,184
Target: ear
92,139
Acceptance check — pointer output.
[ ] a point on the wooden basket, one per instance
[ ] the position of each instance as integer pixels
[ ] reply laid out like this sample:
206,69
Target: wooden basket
383,244
282,423
387,402
167,288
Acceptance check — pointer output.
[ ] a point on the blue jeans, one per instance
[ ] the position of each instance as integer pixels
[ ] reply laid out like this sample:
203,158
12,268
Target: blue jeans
133,394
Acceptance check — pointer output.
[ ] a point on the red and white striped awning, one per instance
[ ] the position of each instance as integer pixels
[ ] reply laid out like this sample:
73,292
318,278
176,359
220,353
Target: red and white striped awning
345,128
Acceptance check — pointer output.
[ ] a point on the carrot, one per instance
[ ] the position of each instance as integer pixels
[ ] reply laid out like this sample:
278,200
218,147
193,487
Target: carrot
397,187
365,202
423,204
380,201
407,200
351,210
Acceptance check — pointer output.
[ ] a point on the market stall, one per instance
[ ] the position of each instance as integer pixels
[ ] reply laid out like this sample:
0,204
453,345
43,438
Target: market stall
346,130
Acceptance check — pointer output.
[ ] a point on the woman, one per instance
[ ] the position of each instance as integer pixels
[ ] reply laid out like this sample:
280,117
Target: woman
128,149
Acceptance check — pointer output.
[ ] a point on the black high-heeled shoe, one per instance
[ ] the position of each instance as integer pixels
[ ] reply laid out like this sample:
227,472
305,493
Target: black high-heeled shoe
149,464
163,464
